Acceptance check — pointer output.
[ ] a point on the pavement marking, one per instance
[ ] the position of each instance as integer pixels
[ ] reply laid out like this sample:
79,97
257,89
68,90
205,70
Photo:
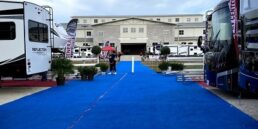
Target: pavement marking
93,105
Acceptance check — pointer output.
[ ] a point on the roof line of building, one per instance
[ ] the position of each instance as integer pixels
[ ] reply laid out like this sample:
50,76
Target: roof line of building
134,18
117,16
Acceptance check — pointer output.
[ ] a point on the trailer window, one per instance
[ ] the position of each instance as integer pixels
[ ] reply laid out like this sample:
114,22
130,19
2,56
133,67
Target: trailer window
7,31
38,32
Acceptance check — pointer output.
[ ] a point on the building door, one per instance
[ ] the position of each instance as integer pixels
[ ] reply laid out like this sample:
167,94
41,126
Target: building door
133,48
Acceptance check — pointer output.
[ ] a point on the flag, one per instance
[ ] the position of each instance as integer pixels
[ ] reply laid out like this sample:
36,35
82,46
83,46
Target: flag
71,31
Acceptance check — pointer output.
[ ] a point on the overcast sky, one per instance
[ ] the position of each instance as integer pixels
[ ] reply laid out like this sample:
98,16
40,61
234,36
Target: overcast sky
64,9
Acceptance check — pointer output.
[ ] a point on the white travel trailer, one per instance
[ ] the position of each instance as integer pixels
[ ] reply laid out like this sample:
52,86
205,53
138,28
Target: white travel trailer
183,50
25,44
173,49
86,51
189,50
194,50
76,52
82,52
155,49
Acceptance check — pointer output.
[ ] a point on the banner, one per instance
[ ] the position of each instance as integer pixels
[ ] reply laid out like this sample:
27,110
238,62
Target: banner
71,31
233,6
234,14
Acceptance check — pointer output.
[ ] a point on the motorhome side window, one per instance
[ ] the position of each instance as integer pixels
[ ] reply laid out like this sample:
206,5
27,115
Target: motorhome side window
7,31
38,32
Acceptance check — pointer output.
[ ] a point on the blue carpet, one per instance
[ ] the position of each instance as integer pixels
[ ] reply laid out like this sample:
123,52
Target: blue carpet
143,100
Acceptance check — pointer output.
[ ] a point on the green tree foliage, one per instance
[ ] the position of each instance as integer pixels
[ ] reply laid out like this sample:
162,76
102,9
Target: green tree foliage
96,50
165,51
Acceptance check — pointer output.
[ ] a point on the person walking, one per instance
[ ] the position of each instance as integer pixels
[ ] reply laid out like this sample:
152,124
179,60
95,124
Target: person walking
112,63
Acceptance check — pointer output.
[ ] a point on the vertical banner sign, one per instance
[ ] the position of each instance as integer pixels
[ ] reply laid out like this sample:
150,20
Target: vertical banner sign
234,10
206,32
71,31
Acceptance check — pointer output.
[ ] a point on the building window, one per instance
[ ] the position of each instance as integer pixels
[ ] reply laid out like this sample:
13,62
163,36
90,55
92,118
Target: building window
190,43
85,44
141,30
95,20
101,33
177,19
101,44
195,47
84,21
169,20
188,19
166,43
196,19
158,19
88,33
38,32
112,44
7,31
204,31
183,43
133,30
181,32
103,20
125,30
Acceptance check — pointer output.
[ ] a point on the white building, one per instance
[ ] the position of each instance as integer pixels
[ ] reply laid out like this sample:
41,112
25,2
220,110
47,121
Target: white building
137,33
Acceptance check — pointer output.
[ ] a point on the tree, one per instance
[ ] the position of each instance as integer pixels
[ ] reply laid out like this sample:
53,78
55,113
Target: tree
165,51
96,50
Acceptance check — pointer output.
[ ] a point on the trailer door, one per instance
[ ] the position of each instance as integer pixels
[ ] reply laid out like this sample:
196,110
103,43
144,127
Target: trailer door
37,39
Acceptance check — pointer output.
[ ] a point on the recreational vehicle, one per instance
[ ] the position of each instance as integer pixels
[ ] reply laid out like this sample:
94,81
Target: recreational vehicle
25,39
231,48
155,49
82,52
76,52
181,50
86,51
194,50
173,49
